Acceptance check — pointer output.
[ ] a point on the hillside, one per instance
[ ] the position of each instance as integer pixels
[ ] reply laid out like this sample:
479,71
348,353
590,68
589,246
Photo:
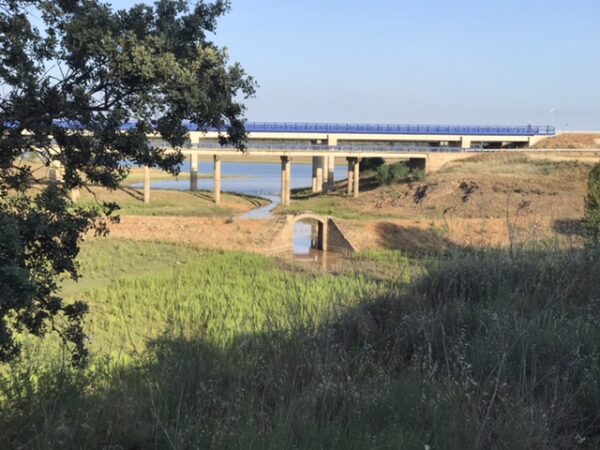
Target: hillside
571,141
489,199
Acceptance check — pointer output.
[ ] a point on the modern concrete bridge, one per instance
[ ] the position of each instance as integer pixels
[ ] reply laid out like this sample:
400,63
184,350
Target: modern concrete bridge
430,147
426,147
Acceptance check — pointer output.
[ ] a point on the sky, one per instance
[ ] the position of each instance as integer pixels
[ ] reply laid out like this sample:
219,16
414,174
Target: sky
498,62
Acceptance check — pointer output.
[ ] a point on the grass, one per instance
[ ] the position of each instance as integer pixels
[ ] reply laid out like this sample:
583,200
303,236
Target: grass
103,261
190,349
493,173
163,202
171,203
515,165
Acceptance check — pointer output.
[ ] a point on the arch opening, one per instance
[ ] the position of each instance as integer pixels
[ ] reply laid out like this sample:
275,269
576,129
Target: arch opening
310,236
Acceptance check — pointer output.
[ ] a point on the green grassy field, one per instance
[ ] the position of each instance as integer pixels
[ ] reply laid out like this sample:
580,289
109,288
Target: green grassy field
171,203
193,349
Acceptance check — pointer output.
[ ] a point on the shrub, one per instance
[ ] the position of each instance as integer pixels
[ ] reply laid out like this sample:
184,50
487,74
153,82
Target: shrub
398,173
592,205
371,163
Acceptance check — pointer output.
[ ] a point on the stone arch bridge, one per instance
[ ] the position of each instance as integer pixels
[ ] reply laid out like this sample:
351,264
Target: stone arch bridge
328,236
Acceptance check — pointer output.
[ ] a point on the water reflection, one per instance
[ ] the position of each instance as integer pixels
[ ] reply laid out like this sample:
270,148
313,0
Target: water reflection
306,236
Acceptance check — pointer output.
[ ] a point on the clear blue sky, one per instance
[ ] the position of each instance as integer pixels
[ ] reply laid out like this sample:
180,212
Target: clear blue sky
419,61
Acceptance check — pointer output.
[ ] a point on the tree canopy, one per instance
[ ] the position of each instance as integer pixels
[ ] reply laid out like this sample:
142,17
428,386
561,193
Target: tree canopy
84,85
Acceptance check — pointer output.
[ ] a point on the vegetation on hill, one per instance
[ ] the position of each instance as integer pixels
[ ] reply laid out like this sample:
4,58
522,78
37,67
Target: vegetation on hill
592,205
398,173
484,186
478,349
570,141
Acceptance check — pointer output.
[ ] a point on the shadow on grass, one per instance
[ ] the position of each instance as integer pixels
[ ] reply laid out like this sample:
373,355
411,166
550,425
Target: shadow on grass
569,227
412,240
486,350
132,192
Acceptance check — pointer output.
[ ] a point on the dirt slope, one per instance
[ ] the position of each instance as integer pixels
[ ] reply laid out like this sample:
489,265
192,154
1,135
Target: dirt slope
571,141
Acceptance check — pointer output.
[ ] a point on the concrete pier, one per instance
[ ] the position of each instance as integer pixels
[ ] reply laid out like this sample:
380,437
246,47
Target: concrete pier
217,179
314,174
465,142
146,184
194,172
356,177
350,175
286,180
331,170
319,174
325,172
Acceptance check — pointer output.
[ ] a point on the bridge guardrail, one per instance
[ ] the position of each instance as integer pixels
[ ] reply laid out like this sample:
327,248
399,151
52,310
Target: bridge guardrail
473,130
347,148
357,128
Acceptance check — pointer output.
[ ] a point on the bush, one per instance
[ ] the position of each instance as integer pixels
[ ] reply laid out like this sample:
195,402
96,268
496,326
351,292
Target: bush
371,163
398,173
592,205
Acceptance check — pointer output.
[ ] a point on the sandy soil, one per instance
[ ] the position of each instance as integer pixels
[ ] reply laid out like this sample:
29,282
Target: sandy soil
411,236
198,232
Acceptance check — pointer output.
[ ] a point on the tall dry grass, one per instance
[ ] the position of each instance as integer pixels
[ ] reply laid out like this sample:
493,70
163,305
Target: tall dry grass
485,349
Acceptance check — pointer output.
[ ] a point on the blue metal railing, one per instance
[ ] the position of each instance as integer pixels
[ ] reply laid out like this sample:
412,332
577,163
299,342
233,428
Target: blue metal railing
357,128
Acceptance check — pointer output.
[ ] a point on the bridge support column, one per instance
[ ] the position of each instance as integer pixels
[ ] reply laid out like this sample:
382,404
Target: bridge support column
314,174
217,179
350,175
286,180
194,172
146,184
331,169
319,174
325,173
465,142
356,177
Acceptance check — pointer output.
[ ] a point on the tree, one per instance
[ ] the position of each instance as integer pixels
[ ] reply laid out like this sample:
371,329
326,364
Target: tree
592,205
84,86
